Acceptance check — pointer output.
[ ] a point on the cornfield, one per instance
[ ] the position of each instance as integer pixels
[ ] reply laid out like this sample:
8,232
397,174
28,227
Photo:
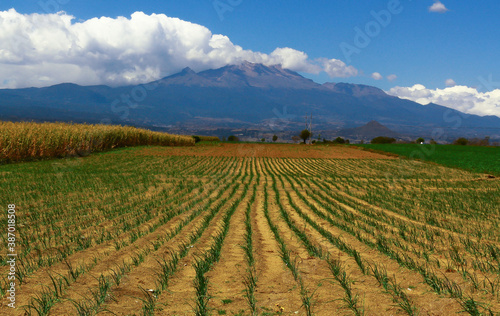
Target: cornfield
31,141
207,138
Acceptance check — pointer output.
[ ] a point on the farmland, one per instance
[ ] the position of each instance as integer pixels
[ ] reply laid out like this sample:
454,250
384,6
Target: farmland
251,229
33,141
473,158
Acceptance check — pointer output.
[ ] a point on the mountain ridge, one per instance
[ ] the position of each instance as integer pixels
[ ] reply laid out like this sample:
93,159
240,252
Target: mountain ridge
243,75
248,95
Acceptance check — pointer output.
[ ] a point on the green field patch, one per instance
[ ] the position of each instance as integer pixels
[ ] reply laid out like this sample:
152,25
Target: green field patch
472,158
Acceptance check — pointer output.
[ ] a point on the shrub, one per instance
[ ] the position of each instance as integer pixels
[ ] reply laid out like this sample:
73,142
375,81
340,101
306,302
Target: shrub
383,140
479,142
461,141
339,140
275,138
233,138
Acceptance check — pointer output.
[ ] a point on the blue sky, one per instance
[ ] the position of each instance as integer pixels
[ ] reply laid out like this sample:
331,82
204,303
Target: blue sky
418,46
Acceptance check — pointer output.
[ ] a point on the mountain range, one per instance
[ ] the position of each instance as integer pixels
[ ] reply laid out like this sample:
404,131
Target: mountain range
249,98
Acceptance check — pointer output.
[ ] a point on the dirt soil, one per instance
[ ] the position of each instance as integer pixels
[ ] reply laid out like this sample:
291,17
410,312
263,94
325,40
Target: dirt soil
266,150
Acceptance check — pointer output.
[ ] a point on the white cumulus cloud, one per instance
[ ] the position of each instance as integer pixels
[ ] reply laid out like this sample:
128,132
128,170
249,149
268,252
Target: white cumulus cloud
450,83
43,49
392,77
461,98
337,68
438,7
377,76
294,59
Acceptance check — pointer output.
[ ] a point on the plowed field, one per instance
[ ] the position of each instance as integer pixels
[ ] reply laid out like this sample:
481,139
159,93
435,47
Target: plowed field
251,230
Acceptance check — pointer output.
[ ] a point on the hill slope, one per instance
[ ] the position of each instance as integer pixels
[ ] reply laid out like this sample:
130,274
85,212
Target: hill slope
369,131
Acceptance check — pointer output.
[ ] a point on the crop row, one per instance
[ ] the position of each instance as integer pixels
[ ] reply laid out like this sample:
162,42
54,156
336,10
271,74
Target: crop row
156,227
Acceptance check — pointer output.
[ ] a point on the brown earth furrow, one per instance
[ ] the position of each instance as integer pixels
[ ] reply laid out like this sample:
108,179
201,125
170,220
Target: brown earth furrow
314,271
180,296
275,284
226,287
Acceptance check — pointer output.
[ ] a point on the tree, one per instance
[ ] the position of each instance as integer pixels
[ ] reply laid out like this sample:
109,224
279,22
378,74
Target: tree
304,135
479,141
461,141
296,138
420,140
262,139
232,138
339,140
275,138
